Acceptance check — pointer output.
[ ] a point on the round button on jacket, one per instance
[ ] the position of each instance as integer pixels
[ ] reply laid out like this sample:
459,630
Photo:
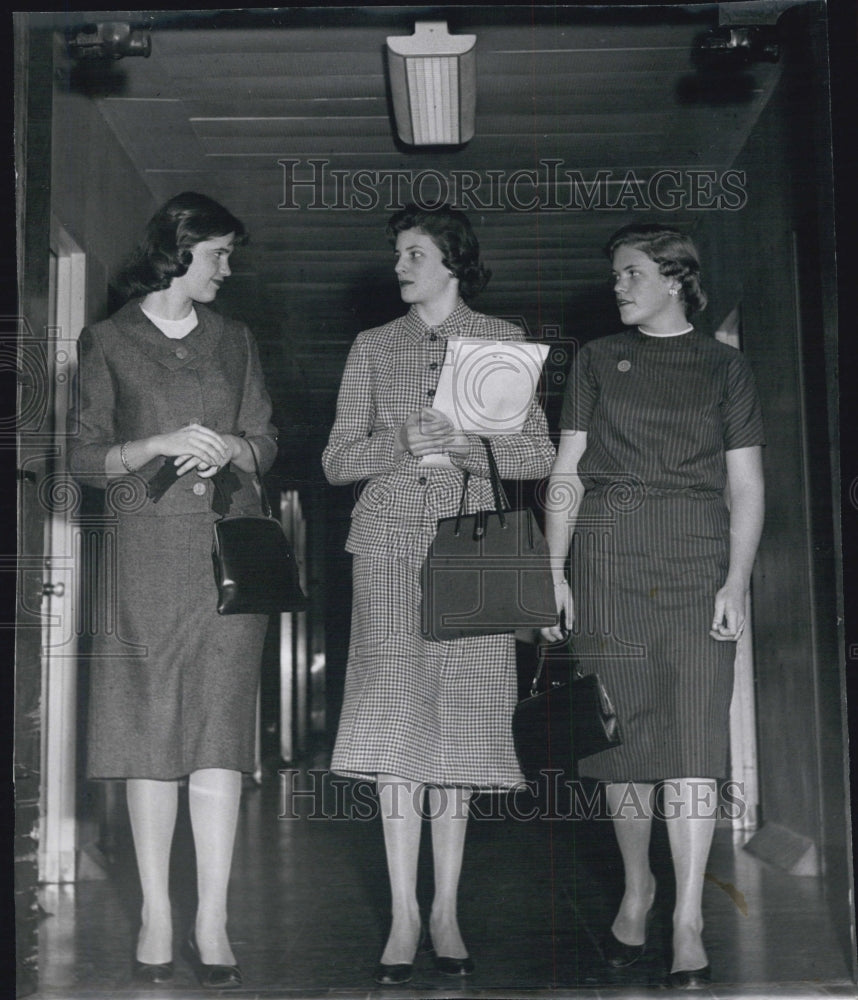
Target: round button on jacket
199,489
181,353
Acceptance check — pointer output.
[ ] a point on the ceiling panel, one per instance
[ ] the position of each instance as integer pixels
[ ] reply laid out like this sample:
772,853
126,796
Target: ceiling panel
236,104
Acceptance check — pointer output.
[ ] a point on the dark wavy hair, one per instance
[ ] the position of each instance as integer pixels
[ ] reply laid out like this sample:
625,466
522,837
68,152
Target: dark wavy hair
451,232
173,231
674,252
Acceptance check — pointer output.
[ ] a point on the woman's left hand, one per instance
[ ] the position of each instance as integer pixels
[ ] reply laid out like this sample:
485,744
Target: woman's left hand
453,441
458,444
728,621
430,432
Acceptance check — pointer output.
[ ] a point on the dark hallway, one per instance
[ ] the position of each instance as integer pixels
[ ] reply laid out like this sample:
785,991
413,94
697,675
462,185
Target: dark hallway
283,114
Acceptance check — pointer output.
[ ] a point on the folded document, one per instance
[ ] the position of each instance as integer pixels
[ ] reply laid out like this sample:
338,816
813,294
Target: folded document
486,387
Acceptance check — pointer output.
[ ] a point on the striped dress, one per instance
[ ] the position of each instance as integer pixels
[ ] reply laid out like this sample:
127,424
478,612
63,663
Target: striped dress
437,712
651,544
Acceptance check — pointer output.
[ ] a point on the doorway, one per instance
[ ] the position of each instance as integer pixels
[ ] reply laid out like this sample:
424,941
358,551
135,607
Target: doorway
58,825
744,775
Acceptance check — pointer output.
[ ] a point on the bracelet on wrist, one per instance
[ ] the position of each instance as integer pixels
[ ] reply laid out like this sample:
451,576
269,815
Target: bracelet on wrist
561,583
124,458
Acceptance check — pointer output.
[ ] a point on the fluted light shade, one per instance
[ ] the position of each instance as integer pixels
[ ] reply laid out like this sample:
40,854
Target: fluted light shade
433,83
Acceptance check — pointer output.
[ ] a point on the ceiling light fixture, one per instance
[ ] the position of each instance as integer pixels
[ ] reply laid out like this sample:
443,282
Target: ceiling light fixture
110,40
433,81
736,45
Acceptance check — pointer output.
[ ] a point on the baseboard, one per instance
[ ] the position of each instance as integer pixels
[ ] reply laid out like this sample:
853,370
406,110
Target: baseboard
778,845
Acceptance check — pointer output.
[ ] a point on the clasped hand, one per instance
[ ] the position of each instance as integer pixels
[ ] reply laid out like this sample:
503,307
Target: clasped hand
197,447
430,432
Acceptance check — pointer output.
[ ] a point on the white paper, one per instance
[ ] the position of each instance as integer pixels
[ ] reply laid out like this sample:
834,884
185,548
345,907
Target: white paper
486,387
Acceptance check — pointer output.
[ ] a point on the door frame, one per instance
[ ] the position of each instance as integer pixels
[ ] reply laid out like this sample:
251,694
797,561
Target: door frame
744,768
58,820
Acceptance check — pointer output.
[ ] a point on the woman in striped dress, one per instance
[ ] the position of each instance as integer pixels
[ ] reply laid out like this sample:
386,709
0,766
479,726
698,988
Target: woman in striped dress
658,423
421,716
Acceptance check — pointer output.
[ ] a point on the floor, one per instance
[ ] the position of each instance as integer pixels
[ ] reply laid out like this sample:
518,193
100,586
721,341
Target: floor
308,911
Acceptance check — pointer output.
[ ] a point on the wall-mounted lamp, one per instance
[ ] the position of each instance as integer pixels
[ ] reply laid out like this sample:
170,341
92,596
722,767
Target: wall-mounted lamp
111,40
736,45
433,82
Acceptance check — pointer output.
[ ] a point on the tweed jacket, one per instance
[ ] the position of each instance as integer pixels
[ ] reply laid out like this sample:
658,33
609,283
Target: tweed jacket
391,372
134,382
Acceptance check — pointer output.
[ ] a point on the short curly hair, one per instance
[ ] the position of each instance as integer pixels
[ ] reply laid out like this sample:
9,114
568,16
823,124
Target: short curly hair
450,231
165,252
673,251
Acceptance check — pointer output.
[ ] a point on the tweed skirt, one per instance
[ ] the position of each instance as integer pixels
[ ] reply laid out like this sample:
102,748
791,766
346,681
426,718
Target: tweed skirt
434,712
173,684
645,580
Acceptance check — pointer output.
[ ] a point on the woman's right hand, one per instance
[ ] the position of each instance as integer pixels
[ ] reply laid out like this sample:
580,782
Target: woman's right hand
565,614
195,447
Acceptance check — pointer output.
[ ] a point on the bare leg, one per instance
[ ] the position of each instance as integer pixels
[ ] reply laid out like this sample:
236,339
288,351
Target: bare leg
449,810
402,818
631,809
213,798
152,807
690,811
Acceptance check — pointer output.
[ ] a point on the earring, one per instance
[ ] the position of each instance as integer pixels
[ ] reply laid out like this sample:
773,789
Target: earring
672,291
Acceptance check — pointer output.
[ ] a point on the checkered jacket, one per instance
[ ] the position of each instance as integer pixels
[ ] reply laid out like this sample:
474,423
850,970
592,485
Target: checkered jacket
391,372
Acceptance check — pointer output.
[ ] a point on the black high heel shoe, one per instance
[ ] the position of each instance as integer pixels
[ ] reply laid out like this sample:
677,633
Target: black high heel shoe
211,977
690,979
453,966
152,972
620,955
396,975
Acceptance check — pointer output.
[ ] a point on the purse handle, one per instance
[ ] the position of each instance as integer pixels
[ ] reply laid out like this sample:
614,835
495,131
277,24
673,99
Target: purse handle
263,496
541,658
502,504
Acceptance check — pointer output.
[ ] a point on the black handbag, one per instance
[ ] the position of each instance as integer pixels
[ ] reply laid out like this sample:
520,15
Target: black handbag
486,573
565,721
255,568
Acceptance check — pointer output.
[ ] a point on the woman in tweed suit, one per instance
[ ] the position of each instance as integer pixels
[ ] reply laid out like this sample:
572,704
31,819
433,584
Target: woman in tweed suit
657,422
421,715
172,399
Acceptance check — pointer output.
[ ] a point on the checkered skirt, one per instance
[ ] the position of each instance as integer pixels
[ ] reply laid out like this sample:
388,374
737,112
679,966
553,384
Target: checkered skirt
436,712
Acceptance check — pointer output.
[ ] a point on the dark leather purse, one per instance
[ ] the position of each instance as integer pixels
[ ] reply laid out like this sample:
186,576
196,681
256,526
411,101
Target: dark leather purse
486,573
255,569
562,721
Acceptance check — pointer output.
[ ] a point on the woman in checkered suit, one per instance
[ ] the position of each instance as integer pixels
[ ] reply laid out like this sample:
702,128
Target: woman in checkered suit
425,720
